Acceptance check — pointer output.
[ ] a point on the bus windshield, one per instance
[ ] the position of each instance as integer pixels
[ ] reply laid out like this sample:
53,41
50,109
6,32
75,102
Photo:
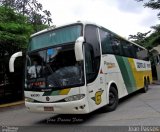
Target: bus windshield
54,68
54,37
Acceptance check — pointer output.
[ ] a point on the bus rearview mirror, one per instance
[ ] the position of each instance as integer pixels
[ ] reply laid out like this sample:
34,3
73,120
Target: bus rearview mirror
12,59
79,49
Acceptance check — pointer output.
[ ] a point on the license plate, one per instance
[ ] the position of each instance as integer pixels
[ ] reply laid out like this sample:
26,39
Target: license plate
48,109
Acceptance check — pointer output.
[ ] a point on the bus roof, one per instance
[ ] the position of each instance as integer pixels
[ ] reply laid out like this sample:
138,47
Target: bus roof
83,23
53,28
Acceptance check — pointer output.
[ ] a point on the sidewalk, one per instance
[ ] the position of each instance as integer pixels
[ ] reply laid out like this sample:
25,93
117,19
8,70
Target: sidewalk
12,104
156,82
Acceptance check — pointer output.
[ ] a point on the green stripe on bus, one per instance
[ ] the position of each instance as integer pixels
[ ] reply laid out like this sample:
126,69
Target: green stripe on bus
48,93
51,93
55,93
127,74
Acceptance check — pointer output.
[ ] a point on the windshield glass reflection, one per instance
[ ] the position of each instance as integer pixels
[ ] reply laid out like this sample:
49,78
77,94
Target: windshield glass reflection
54,68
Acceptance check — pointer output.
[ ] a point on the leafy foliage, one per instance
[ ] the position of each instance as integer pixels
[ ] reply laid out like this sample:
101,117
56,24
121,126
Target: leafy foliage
139,38
18,20
33,10
154,38
14,31
147,41
154,4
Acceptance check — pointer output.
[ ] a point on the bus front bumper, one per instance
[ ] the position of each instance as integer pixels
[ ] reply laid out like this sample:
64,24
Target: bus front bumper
73,107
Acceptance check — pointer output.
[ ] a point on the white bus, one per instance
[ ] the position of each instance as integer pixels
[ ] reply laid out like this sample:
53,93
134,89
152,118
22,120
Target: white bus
81,67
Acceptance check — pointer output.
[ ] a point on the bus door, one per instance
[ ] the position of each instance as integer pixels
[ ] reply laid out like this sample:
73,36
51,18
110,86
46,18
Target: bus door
95,81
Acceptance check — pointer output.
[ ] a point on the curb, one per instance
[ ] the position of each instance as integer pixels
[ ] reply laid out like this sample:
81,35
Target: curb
12,104
156,82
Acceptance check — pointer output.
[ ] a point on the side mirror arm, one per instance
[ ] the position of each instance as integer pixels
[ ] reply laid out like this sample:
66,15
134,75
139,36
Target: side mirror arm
12,59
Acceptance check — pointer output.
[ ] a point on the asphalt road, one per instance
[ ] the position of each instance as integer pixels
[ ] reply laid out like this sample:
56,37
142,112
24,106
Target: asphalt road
139,109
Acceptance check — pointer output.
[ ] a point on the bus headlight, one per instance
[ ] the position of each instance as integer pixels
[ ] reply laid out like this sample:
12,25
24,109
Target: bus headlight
74,97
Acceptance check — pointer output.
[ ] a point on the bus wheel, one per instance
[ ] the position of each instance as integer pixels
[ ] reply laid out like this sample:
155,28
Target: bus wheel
113,100
145,89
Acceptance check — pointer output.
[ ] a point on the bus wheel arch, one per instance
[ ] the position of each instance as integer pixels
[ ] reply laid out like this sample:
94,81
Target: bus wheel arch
112,95
114,85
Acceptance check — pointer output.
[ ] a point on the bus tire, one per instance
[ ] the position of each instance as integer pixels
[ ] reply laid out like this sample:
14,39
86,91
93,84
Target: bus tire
113,100
145,88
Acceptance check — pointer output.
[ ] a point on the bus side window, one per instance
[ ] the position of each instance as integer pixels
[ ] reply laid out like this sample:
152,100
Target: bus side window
133,51
106,42
116,45
127,49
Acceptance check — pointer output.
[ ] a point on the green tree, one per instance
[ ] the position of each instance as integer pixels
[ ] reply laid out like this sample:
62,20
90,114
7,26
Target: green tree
36,16
148,41
14,31
154,4
154,38
139,38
